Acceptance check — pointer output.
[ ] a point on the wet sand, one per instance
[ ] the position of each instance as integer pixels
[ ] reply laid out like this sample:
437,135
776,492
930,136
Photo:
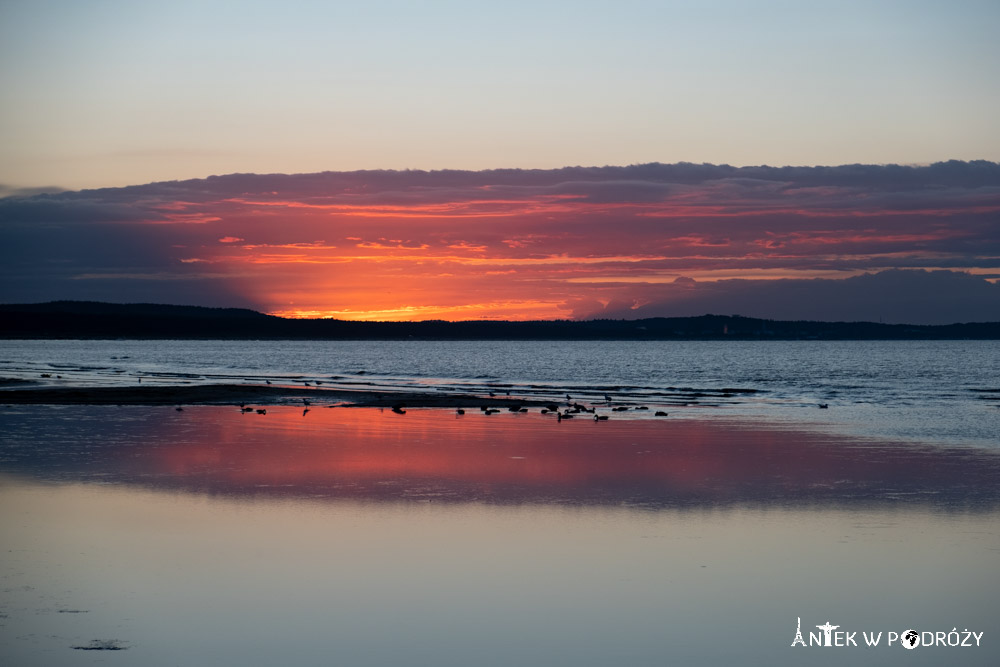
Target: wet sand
232,394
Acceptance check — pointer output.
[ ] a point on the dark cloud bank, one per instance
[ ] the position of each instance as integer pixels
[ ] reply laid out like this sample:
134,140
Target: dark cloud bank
894,296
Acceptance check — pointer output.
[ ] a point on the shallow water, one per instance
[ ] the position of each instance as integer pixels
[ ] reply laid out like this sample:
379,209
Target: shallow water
922,391
193,579
360,537
508,458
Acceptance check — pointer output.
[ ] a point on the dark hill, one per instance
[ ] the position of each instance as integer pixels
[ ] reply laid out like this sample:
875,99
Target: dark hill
87,319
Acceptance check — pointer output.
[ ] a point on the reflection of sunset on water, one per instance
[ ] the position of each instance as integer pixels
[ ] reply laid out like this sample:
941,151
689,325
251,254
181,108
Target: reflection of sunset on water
507,458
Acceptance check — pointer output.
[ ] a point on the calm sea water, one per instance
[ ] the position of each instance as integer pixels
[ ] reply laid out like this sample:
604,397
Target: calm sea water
360,537
183,579
938,391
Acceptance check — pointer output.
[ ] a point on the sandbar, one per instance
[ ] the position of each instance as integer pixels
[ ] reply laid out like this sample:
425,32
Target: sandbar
232,394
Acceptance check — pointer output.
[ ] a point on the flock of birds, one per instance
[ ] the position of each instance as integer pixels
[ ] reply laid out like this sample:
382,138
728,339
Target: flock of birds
569,411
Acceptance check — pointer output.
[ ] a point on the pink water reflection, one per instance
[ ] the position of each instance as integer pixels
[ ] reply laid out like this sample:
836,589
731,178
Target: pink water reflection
506,458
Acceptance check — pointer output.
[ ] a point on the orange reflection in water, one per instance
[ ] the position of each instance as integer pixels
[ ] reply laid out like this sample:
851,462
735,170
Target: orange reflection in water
354,452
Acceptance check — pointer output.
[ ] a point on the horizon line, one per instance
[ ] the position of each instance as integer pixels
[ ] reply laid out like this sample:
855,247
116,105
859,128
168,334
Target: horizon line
733,316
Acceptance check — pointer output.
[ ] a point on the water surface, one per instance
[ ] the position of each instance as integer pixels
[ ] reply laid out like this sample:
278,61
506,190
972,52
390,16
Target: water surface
923,391
360,537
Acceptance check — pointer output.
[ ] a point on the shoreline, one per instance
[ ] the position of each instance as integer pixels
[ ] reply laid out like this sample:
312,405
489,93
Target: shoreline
230,394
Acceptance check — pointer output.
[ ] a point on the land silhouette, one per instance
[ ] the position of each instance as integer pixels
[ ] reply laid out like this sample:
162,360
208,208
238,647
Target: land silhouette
99,320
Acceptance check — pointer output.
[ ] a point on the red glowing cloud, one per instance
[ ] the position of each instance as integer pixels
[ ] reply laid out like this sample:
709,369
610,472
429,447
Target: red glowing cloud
502,244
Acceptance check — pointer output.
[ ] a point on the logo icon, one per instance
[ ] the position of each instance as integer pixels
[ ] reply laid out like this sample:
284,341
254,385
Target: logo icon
911,639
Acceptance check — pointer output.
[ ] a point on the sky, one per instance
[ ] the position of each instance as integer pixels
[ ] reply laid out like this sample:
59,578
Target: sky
101,93
516,160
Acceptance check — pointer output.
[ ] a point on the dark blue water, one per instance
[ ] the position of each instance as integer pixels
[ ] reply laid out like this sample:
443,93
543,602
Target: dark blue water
930,391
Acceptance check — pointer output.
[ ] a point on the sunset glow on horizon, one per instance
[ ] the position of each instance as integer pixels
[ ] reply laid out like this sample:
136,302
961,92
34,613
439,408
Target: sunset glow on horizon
573,243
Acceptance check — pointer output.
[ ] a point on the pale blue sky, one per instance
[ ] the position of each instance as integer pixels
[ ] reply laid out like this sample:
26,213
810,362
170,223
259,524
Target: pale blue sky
114,93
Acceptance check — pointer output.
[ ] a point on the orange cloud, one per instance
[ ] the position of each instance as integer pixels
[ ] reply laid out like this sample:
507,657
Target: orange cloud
506,244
